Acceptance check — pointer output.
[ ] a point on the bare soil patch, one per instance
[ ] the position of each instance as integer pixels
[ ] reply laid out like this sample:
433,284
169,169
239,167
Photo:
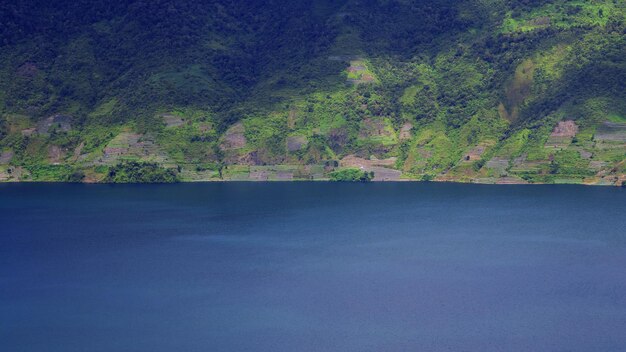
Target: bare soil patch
234,138
381,167
291,118
598,165
61,122
55,154
284,175
373,128
6,156
354,161
508,180
278,173
259,175
132,145
29,132
584,153
295,143
13,173
522,164
233,157
543,21
405,131
27,70
77,151
611,132
498,164
172,120
562,135
565,129
474,154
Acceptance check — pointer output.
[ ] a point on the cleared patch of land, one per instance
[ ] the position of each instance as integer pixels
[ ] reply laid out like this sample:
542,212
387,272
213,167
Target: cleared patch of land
381,168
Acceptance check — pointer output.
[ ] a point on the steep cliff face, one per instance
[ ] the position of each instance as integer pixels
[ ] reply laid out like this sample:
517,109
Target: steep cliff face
487,91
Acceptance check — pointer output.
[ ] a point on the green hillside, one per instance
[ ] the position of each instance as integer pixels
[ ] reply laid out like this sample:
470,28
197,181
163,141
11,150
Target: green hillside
485,91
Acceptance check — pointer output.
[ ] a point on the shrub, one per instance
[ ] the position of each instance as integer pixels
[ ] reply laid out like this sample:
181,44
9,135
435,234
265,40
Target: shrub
351,175
76,177
140,172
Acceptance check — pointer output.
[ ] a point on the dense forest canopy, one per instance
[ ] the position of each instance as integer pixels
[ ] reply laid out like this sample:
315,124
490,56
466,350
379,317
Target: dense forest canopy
469,90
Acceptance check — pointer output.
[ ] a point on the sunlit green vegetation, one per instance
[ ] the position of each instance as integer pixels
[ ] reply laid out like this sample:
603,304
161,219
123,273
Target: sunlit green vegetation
351,175
466,90
136,172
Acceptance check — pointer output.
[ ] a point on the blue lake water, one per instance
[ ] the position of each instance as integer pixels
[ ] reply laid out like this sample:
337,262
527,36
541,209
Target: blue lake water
312,267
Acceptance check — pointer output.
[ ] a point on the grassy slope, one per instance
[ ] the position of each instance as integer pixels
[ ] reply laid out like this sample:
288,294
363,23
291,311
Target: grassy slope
471,92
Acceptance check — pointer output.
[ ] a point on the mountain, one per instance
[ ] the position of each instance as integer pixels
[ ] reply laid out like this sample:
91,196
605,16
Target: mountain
486,91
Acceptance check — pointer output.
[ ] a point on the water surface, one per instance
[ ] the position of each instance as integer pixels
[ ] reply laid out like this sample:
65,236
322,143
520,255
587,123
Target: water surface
312,267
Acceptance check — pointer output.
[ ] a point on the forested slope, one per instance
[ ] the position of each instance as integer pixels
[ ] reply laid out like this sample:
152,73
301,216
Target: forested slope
487,91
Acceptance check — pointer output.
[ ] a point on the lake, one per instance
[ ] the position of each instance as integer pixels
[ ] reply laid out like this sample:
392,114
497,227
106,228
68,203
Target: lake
312,267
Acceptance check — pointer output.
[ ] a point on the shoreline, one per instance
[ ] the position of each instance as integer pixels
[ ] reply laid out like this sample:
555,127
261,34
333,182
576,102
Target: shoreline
321,181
